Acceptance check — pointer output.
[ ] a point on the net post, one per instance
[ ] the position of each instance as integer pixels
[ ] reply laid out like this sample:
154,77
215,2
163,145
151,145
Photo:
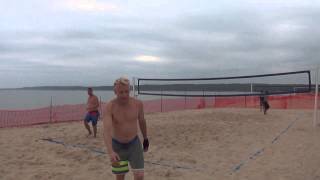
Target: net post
134,87
315,113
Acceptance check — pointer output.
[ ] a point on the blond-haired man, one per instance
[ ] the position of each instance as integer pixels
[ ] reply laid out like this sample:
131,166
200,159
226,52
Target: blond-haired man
121,118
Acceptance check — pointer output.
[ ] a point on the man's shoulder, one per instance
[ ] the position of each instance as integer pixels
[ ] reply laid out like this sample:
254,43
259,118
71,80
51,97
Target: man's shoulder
112,101
93,97
109,104
137,101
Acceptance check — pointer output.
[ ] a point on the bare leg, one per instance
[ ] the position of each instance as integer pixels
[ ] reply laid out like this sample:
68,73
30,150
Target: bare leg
87,126
266,109
120,177
138,175
94,127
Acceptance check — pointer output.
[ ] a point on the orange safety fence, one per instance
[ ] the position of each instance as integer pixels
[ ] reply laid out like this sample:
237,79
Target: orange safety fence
24,117
68,112
65,113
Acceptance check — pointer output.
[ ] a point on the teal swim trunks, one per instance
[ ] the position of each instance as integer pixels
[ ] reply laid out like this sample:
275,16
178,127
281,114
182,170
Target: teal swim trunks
131,152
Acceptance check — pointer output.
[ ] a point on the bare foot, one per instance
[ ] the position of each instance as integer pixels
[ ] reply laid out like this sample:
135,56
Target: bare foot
88,135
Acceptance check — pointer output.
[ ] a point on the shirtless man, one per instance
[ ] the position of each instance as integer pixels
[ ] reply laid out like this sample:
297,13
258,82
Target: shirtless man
92,112
121,118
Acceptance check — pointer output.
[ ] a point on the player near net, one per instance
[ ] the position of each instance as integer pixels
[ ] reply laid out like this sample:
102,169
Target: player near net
121,118
264,104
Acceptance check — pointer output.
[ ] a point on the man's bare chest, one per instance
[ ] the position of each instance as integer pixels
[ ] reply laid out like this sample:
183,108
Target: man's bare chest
124,115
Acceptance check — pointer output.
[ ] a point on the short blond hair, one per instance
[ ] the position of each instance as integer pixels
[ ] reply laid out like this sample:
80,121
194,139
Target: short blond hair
122,80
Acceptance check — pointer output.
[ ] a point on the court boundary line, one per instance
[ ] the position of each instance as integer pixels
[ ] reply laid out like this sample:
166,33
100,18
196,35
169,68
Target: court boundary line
101,152
260,151
234,169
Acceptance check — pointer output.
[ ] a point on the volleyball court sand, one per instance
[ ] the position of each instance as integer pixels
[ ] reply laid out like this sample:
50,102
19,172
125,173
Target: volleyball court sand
195,144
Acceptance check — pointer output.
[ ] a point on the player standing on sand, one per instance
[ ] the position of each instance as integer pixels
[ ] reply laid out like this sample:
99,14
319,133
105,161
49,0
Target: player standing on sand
92,112
121,118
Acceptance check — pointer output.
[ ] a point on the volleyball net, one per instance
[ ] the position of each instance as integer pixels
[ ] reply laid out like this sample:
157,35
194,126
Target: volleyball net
253,85
290,90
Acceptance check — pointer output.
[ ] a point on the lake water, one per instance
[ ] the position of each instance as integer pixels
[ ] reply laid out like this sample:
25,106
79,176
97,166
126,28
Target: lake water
29,99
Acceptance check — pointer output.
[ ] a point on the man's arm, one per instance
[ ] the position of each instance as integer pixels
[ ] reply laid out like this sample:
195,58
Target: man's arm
142,121
143,127
107,132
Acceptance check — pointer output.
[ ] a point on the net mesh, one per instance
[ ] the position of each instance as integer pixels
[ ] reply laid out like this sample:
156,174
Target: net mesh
279,83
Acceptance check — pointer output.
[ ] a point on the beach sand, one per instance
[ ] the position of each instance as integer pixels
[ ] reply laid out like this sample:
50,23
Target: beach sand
202,144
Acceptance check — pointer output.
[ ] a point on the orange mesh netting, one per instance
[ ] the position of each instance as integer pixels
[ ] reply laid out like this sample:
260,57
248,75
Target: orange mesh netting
64,113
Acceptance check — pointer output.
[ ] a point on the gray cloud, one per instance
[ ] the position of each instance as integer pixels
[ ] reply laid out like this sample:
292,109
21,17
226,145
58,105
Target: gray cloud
235,40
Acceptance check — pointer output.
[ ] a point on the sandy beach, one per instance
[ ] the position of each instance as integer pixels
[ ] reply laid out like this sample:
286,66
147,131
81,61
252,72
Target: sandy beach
202,144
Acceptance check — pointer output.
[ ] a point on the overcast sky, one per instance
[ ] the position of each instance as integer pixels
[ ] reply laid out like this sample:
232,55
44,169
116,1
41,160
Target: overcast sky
92,42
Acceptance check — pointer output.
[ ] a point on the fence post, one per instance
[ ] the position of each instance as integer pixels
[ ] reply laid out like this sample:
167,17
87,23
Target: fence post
213,101
185,99
245,101
315,115
204,99
161,101
50,115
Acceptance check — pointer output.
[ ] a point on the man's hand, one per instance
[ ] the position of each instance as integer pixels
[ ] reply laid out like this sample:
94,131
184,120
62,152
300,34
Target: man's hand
145,145
114,157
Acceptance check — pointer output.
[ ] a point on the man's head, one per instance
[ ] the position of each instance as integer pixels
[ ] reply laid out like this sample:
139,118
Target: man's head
122,89
90,91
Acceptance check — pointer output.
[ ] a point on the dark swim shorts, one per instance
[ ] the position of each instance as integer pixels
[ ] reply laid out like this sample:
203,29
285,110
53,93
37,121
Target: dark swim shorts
131,152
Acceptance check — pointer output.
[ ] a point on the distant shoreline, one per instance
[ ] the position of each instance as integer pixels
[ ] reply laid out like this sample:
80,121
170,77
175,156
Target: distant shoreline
181,87
62,88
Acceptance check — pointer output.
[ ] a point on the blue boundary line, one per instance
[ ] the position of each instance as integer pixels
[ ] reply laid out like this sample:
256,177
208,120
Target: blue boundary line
254,155
235,168
101,152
